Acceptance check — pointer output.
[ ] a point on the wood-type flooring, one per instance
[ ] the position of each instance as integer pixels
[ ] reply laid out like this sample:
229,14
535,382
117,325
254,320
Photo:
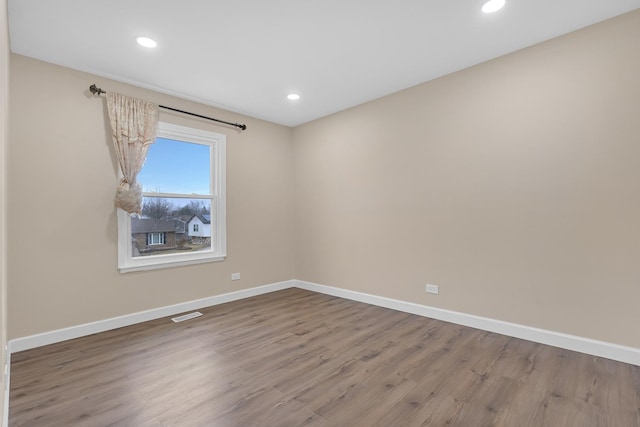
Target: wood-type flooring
298,358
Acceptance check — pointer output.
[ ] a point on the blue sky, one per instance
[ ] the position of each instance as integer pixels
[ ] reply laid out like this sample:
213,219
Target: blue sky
176,167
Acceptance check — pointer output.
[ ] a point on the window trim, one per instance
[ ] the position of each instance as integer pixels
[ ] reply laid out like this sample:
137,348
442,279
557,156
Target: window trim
218,252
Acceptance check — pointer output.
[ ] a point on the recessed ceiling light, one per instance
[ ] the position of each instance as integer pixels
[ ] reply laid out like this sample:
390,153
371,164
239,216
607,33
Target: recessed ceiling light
293,96
146,42
492,6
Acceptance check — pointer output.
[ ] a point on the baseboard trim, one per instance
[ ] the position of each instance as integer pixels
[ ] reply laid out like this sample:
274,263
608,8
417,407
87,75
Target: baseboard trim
38,340
7,388
556,339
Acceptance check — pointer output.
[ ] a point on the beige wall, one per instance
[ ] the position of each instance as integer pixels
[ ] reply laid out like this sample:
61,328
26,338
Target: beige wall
62,224
4,136
513,185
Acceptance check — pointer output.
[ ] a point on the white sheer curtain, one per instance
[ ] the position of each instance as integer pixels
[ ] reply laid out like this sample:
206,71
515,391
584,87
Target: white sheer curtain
134,125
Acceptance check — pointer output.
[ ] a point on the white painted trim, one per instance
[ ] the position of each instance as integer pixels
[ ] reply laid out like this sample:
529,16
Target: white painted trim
556,339
204,257
38,340
7,387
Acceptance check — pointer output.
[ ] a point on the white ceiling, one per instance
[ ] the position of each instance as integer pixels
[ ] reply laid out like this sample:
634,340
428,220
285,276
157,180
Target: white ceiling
247,55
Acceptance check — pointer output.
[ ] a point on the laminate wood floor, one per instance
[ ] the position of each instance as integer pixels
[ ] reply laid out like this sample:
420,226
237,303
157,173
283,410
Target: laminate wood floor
298,358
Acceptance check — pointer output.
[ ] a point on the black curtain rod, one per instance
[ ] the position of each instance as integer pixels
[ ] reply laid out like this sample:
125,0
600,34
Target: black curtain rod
97,91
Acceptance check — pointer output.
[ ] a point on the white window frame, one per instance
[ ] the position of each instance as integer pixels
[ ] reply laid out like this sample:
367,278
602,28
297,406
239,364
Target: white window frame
218,252
161,238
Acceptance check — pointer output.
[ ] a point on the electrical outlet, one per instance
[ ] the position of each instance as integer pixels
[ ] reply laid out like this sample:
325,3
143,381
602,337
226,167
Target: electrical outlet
433,289
235,276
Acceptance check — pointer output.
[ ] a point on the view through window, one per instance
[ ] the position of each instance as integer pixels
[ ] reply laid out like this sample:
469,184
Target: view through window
173,174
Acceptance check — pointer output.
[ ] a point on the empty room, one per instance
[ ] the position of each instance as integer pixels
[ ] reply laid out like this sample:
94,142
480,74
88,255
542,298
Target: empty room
288,213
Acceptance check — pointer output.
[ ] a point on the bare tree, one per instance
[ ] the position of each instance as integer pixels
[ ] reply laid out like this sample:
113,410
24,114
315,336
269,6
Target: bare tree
156,208
199,207
194,207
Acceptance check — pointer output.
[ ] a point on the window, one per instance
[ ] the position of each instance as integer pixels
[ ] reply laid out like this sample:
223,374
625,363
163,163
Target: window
155,239
183,182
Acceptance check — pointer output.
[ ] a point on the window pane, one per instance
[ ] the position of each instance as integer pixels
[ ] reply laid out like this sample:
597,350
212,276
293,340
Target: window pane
176,167
170,226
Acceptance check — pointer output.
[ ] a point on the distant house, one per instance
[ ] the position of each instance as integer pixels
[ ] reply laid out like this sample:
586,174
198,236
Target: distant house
153,234
181,231
199,226
180,226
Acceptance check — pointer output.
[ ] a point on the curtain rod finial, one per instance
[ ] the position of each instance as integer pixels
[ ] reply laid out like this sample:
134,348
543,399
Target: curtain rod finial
96,90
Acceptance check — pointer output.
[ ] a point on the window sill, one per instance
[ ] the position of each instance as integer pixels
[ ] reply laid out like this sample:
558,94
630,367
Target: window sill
166,264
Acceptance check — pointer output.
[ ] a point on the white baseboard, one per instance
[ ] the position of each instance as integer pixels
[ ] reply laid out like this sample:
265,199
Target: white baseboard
556,339
33,341
7,388
570,342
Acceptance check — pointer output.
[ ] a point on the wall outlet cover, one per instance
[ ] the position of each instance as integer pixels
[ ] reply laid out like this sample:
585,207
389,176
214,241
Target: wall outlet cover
433,289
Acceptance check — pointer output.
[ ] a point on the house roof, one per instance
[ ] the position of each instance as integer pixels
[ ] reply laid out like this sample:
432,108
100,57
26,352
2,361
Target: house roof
147,225
205,219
